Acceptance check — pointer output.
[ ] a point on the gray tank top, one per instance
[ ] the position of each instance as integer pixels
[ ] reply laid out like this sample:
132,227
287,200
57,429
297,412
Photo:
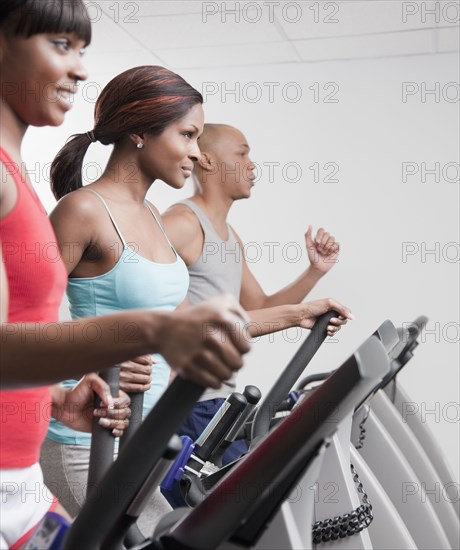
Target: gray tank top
218,270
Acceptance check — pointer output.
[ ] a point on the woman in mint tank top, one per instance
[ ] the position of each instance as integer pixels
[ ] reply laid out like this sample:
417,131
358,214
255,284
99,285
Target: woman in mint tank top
119,256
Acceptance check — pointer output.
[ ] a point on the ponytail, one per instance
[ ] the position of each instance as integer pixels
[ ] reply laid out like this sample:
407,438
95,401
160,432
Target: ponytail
67,166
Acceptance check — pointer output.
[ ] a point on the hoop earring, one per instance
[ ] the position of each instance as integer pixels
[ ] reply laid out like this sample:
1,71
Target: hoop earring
140,145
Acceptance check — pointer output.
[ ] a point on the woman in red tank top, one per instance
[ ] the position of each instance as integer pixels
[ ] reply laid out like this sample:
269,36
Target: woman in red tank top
41,45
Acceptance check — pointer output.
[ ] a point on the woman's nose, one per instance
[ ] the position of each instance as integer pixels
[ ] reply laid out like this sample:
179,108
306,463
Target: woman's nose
195,152
78,70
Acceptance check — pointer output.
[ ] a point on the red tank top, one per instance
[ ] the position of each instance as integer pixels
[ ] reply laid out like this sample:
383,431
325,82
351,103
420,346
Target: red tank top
37,280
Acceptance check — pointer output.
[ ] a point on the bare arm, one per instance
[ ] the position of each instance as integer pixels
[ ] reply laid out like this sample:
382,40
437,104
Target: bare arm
268,314
74,220
184,231
253,297
322,252
274,319
204,344
44,353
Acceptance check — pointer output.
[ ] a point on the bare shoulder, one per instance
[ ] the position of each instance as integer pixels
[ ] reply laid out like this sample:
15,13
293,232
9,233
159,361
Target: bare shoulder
77,216
78,204
184,230
180,217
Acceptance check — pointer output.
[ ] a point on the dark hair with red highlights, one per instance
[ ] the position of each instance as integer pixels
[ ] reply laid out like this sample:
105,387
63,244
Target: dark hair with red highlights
143,100
29,17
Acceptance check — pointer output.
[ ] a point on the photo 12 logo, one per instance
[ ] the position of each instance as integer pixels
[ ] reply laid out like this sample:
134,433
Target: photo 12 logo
430,92
435,172
255,12
270,92
431,12
431,252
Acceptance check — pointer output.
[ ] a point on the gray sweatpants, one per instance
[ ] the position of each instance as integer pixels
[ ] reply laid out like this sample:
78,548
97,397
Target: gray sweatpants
65,471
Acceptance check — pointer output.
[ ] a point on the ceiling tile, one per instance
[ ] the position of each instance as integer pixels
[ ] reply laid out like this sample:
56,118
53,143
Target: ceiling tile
225,56
165,7
356,47
184,31
352,17
107,36
195,34
448,39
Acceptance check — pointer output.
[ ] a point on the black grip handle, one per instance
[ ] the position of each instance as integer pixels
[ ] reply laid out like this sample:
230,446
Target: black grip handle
135,420
102,440
252,394
219,426
409,338
421,322
408,335
291,374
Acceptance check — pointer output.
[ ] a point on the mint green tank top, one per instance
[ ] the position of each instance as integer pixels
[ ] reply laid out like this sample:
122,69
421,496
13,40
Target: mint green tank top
133,283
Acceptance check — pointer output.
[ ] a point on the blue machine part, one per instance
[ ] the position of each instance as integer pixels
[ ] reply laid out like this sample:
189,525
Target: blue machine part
49,533
170,486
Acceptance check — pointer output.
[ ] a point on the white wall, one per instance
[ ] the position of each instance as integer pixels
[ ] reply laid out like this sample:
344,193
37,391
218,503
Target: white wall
368,133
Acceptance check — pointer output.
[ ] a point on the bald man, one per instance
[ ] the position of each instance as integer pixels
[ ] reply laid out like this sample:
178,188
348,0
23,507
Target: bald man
214,255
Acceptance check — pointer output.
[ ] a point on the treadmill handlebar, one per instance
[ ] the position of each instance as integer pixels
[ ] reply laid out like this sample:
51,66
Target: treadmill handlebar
290,375
221,423
135,420
103,442
287,448
146,447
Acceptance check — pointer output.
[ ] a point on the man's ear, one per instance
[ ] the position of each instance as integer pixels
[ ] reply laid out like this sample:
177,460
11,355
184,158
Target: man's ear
205,161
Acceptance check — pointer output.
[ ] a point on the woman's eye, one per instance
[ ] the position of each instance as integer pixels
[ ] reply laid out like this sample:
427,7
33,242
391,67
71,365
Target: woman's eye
188,134
62,44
